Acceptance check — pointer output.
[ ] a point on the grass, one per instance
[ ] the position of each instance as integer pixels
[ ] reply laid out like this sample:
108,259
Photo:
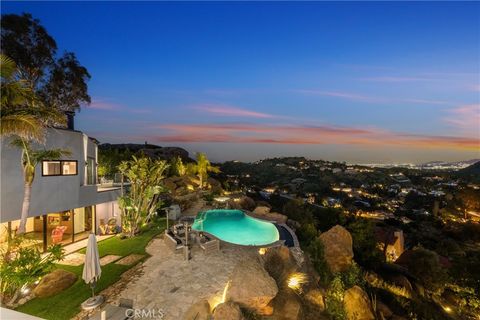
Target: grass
66,304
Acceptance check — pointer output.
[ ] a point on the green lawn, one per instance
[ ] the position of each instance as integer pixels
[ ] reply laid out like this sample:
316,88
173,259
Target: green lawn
66,304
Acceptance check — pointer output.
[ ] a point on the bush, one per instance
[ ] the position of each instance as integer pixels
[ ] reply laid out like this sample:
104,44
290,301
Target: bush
364,243
425,266
316,252
22,265
307,233
353,276
334,299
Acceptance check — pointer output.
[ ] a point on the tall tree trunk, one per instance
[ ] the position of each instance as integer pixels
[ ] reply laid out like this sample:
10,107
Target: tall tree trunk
25,208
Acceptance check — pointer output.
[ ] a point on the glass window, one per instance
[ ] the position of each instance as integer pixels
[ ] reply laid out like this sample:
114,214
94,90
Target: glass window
91,176
59,168
51,168
69,168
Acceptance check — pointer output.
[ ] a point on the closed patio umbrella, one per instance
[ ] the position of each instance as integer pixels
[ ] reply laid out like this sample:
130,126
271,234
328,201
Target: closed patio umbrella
92,272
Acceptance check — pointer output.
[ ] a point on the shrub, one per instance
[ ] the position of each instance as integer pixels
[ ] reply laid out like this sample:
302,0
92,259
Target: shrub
316,252
307,233
353,276
425,266
334,299
364,243
22,265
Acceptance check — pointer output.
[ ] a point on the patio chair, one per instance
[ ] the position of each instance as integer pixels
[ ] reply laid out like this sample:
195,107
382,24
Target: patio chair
173,242
57,234
210,246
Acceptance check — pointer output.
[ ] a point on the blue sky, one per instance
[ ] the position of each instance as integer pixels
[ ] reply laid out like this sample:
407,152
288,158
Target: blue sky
355,82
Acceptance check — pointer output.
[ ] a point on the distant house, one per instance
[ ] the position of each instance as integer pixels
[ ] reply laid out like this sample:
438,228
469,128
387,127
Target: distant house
391,242
400,178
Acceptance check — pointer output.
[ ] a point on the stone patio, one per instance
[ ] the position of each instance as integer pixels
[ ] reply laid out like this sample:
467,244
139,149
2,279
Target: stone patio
73,259
108,259
170,283
130,259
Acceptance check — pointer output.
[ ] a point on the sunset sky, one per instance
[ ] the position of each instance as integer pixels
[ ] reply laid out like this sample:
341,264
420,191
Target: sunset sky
355,82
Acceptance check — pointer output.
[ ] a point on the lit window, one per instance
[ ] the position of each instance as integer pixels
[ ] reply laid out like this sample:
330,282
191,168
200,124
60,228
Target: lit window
69,168
59,168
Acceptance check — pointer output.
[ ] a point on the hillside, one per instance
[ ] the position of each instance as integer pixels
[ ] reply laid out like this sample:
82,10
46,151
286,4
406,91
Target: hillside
470,173
151,150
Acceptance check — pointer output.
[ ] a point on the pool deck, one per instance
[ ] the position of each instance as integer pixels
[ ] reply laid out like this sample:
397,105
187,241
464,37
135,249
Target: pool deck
168,282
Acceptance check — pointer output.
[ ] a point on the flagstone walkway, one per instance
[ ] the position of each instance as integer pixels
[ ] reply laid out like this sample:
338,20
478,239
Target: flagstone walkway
170,283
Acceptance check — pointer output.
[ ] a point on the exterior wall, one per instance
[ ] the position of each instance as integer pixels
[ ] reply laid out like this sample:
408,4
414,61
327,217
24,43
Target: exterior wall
50,193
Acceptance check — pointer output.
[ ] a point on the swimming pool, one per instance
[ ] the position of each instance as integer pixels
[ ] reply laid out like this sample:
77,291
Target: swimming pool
236,227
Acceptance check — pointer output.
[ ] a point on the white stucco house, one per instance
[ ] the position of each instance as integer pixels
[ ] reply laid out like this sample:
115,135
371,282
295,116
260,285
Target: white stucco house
67,202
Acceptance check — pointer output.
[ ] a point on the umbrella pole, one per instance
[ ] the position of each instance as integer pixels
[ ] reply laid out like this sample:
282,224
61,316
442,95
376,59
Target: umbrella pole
93,289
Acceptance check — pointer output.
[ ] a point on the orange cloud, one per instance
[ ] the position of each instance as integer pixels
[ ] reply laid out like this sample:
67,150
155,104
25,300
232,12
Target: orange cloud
284,134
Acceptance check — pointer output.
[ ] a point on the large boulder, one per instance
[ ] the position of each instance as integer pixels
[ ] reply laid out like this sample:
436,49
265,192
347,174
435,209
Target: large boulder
279,262
287,306
357,304
247,203
315,297
228,311
338,249
54,282
275,216
261,210
198,311
251,286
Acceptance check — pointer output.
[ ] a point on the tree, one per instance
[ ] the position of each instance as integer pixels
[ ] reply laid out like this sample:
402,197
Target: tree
30,159
142,201
204,167
59,83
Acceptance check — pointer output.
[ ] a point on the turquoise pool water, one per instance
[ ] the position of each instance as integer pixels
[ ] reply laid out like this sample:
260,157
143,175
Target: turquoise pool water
235,226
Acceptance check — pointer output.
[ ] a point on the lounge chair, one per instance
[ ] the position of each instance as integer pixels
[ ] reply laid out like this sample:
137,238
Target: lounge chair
210,245
172,241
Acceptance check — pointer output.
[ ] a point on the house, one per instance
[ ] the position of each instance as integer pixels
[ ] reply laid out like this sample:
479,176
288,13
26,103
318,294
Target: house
391,241
67,203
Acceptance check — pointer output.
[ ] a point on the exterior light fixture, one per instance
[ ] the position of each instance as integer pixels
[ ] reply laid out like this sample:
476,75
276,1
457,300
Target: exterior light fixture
296,280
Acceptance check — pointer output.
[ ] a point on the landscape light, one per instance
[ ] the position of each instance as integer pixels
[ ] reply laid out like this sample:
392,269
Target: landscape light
296,280
262,251
447,309
25,289
218,300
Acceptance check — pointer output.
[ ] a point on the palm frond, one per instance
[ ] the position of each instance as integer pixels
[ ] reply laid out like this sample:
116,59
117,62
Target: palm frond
25,126
50,154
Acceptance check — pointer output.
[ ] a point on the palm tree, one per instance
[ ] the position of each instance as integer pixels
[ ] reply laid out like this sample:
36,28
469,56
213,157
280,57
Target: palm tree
204,167
21,114
30,159
23,117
